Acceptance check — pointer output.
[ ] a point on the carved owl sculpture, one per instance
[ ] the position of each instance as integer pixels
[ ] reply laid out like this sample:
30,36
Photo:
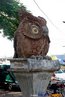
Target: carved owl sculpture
31,37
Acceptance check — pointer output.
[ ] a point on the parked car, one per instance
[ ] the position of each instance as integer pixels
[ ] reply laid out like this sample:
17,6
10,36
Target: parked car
7,79
60,74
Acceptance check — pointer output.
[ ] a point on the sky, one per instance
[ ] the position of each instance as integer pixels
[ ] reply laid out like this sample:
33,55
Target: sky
6,47
53,12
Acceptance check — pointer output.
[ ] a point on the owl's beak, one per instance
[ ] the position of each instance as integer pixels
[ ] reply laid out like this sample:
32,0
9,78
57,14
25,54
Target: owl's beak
45,30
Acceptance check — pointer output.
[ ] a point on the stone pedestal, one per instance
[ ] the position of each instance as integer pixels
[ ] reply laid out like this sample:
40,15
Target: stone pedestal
33,74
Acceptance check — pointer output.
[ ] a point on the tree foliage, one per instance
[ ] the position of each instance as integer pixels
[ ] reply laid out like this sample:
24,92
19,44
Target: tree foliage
9,19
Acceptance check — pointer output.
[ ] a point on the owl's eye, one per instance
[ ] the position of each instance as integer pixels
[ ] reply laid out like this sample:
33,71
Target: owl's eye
35,29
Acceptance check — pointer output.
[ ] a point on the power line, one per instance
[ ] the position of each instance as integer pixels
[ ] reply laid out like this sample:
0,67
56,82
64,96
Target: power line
46,16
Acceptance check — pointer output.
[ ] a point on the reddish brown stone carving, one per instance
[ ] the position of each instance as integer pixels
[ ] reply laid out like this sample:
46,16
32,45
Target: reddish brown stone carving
31,37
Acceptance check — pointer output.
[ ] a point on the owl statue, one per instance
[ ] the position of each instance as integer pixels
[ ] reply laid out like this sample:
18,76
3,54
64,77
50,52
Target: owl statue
31,37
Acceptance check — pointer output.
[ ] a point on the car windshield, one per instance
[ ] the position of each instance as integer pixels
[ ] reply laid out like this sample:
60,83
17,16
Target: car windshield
64,71
59,71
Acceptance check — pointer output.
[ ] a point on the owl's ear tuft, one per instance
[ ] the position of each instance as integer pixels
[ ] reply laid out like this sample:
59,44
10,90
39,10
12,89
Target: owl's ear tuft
24,14
42,20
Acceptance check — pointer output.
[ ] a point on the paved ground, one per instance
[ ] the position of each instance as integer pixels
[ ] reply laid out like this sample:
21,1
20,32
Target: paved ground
10,94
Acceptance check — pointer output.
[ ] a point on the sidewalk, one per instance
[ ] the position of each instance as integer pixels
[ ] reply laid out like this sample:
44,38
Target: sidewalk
10,94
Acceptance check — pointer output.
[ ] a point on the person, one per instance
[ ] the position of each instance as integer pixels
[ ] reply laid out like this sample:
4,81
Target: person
54,85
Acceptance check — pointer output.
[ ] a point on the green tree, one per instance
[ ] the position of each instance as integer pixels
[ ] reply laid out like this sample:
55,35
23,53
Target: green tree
9,19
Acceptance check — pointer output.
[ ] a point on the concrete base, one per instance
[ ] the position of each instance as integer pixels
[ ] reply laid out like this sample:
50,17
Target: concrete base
33,74
33,83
